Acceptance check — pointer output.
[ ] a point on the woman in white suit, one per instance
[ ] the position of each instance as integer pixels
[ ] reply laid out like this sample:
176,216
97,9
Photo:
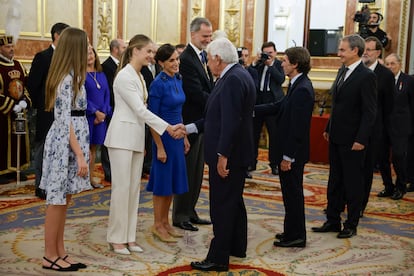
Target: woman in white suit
125,140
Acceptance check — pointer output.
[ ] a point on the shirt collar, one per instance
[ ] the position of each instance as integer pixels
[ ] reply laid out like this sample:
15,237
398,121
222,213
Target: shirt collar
374,65
227,68
295,78
115,59
198,51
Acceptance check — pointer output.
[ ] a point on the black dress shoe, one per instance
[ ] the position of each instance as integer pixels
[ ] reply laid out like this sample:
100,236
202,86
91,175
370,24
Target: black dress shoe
294,243
200,221
186,226
327,227
410,187
385,193
397,195
275,171
207,265
248,175
280,236
40,193
346,233
238,255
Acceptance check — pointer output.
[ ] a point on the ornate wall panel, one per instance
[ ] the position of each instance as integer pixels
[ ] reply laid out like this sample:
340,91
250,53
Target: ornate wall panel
30,14
197,9
70,12
138,18
104,23
231,20
167,21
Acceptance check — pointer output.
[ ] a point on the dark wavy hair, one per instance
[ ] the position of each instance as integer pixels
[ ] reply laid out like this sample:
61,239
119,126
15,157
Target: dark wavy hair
164,52
301,57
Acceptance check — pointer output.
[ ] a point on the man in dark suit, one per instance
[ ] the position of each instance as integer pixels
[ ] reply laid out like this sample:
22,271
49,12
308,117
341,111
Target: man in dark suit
292,143
271,77
36,84
228,133
376,151
353,114
197,85
109,67
400,127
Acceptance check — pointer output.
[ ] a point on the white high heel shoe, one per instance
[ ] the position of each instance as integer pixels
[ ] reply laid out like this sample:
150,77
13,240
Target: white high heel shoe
122,251
135,248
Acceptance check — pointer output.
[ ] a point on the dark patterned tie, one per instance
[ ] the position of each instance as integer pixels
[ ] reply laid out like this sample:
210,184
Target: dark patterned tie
266,80
342,78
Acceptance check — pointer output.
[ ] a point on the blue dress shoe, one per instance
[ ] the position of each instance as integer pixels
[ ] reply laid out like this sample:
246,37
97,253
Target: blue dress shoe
347,233
327,227
293,243
207,265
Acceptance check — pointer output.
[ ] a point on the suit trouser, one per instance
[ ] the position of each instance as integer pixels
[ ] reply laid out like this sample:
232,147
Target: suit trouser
374,151
410,160
106,165
398,146
346,181
293,199
38,161
270,122
228,215
184,204
126,168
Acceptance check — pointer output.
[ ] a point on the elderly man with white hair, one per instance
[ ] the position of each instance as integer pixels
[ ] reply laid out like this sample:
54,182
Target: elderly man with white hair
228,149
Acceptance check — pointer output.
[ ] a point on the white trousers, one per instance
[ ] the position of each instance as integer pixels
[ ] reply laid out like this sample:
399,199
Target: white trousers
126,169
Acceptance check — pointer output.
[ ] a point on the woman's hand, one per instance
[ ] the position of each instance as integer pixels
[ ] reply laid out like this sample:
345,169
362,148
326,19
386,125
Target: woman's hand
161,155
83,168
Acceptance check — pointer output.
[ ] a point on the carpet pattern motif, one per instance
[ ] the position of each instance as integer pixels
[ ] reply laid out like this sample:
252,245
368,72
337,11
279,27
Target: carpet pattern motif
384,244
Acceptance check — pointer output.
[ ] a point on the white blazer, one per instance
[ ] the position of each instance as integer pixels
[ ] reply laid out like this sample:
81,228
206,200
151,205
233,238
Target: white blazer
127,127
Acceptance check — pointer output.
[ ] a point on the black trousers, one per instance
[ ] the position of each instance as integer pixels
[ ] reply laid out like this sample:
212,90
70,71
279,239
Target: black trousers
396,147
228,215
346,184
293,199
184,204
270,122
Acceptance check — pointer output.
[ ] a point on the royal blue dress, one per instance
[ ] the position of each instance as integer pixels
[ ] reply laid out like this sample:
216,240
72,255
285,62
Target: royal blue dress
166,98
98,95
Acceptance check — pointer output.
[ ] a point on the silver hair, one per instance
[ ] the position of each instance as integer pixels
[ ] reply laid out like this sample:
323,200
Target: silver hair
223,48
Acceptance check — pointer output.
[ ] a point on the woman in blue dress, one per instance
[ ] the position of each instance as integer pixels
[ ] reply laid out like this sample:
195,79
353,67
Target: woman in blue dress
168,174
66,153
97,94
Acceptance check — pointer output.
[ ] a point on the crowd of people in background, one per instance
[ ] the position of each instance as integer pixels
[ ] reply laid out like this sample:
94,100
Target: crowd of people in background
166,111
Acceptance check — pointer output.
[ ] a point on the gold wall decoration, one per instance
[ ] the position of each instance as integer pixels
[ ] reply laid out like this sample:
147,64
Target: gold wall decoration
404,22
197,8
104,24
231,19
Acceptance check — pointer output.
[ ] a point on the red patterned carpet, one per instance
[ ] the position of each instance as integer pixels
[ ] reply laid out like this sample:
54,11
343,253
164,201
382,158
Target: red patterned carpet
384,244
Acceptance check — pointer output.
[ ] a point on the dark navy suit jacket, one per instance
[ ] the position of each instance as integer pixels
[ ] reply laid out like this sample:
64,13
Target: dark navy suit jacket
228,121
294,113
36,84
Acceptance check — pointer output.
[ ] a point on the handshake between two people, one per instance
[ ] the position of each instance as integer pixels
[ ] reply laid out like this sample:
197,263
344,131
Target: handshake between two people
176,131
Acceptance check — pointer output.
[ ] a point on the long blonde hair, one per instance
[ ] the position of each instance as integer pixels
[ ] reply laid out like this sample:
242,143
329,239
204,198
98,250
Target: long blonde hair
139,41
71,55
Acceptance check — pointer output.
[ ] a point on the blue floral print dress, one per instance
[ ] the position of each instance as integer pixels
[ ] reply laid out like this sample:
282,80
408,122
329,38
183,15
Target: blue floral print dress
59,173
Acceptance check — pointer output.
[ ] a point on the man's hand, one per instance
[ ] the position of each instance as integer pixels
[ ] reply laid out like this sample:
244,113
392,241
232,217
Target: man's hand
176,131
325,135
285,165
222,166
357,146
